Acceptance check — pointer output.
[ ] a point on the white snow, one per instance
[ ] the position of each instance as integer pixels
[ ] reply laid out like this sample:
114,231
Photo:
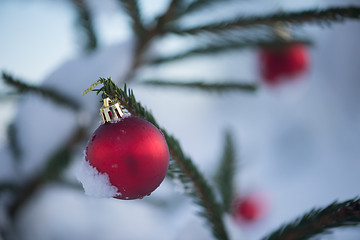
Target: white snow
95,184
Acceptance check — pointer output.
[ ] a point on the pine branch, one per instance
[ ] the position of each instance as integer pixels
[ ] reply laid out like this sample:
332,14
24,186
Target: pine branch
14,145
189,175
85,23
8,186
226,172
55,166
227,45
199,5
171,13
143,34
324,16
48,93
178,9
219,87
133,11
201,191
319,221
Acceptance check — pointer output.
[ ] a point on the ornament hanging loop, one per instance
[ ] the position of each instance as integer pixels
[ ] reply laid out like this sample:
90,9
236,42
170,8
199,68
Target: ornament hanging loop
110,111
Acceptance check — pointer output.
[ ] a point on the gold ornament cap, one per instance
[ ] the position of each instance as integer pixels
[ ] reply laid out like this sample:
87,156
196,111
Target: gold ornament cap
110,111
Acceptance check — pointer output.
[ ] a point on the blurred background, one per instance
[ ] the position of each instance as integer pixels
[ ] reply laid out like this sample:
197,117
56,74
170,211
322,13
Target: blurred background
296,144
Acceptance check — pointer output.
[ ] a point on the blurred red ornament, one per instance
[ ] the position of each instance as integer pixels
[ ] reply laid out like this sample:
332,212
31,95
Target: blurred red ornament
249,208
283,62
133,153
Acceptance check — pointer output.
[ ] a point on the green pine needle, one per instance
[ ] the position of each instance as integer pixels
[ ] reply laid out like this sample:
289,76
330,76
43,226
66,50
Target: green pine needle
47,93
219,87
13,140
324,16
226,172
172,13
198,5
228,45
56,164
8,186
84,20
132,9
180,8
92,86
182,166
319,221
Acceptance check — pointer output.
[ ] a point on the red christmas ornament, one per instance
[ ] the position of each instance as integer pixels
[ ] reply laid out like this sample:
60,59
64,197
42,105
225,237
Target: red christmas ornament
249,208
130,150
283,62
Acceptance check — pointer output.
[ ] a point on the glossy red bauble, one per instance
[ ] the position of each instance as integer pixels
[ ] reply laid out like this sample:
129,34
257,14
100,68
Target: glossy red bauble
283,62
133,153
249,208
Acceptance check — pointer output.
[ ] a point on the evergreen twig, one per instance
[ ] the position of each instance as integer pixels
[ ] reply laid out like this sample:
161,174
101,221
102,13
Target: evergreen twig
178,9
226,172
48,93
56,164
189,175
320,220
323,16
133,11
14,145
199,5
84,20
219,87
8,186
52,171
171,13
144,34
226,46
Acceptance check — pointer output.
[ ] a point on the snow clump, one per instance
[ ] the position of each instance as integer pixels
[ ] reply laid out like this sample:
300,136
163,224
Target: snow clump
95,184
